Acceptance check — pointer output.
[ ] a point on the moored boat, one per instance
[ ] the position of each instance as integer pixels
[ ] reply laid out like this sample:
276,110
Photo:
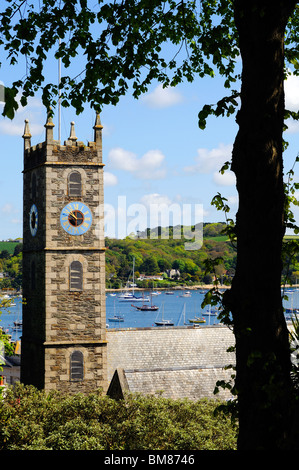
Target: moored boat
197,320
116,318
186,294
144,307
150,308
164,323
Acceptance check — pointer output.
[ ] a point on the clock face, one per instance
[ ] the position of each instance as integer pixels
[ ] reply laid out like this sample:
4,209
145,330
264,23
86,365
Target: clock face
33,220
75,218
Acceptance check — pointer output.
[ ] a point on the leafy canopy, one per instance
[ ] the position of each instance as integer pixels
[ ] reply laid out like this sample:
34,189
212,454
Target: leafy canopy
39,420
121,45
110,48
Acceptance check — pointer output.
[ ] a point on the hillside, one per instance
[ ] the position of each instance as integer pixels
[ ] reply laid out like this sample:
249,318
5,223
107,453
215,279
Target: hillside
155,255
9,246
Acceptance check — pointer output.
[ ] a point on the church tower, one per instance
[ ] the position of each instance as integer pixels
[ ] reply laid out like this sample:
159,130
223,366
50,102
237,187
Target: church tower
64,320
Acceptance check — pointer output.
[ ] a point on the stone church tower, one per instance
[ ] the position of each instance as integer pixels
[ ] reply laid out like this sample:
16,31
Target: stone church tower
64,320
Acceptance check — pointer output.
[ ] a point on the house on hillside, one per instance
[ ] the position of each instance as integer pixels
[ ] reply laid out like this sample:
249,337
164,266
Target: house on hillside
155,277
173,273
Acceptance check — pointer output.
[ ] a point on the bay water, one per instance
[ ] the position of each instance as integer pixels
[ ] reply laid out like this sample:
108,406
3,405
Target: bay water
178,306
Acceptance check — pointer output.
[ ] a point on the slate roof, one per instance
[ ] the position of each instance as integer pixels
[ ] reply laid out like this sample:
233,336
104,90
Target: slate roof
182,362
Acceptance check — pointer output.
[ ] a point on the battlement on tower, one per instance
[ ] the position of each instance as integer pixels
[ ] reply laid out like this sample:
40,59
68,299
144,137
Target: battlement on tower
72,151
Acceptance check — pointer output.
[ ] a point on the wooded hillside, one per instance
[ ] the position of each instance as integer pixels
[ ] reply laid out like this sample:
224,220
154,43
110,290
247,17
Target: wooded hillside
155,255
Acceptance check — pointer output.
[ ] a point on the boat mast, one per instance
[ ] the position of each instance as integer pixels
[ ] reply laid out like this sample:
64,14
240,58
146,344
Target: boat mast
133,275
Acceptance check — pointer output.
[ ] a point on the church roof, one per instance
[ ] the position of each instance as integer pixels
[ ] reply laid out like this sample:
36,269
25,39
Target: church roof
177,362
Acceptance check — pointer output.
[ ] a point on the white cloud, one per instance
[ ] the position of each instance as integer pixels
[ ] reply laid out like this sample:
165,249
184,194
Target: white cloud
209,161
11,213
108,130
228,178
110,179
16,127
17,221
155,198
33,112
149,166
292,93
7,209
161,210
162,97
291,87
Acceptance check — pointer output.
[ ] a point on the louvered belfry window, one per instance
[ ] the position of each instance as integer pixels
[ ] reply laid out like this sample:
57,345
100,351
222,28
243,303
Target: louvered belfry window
76,365
76,276
74,184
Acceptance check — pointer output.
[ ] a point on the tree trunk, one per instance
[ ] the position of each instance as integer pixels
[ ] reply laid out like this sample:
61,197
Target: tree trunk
262,347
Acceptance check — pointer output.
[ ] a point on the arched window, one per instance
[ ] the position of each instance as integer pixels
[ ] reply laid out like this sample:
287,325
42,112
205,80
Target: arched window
76,276
76,366
74,184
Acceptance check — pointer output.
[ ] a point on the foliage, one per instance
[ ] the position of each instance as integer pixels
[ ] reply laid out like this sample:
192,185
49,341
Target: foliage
131,43
4,338
11,265
290,252
158,255
36,420
9,246
9,347
6,346
290,273
154,255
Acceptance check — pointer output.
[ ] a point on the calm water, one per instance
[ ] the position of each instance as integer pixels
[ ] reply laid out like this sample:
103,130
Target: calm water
173,307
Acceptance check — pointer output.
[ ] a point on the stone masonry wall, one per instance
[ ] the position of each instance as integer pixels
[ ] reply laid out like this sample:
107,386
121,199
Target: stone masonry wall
58,320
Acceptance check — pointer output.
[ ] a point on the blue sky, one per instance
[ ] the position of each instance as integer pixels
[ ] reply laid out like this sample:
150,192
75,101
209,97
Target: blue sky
153,150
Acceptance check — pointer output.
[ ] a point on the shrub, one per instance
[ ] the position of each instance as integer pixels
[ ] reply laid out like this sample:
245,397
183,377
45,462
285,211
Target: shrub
32,419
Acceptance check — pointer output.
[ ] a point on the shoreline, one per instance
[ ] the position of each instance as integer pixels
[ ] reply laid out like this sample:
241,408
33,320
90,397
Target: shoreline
196,287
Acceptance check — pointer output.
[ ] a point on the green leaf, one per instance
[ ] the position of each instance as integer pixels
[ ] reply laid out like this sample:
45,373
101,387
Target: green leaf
11,104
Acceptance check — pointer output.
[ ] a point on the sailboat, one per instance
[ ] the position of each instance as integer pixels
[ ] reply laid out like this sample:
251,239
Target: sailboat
116,318
145,307
18,323
163,322
155,292
197,319
130,296
182,316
